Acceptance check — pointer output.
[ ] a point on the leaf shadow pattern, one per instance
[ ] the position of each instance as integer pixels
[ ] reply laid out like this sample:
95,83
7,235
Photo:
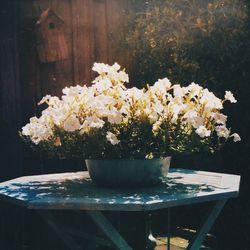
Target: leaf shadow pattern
77,191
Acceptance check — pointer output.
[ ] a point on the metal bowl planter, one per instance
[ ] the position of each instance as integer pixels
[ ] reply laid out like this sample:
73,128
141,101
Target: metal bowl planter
128,173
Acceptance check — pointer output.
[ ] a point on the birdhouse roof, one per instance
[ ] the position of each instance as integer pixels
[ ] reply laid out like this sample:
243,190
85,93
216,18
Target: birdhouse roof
49,13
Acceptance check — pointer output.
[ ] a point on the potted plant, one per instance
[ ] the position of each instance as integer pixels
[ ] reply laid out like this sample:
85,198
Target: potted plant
128,135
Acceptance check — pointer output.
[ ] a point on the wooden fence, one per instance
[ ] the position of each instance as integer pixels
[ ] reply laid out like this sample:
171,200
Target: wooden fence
93,34
93,29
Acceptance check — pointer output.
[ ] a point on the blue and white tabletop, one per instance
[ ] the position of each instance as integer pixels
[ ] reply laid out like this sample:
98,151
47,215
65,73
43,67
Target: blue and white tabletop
77,191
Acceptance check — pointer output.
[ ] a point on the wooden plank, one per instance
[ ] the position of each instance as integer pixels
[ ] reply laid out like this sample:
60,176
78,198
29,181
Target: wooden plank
30,75
82,41
77,191
10,120
29,71
89,24
57,75
64,69
47,80
100,31
116,19
10,92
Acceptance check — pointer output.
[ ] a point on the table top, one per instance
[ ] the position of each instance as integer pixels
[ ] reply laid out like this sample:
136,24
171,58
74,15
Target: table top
76,191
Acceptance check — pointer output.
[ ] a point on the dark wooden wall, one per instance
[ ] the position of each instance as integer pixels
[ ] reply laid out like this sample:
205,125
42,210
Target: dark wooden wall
10,85
93,34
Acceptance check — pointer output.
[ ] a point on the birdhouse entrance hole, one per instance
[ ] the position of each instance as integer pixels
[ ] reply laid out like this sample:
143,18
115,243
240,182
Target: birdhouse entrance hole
51,25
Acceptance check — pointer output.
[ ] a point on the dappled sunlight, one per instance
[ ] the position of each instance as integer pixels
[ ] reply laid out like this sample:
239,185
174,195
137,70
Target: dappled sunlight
74,190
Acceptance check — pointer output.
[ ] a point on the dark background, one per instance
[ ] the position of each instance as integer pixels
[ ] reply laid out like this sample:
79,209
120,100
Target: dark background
91,28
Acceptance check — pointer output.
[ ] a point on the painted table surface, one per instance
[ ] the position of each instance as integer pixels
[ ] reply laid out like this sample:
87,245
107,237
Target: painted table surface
77,191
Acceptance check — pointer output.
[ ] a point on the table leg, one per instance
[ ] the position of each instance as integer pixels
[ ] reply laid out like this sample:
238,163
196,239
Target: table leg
206,225
64,236
104,224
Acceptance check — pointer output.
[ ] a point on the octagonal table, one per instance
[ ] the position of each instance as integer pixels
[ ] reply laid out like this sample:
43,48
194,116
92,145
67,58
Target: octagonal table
76,191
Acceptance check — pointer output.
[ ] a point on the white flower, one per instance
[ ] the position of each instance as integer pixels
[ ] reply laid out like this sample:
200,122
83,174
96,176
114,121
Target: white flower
101,68
176,109
71,124
57,114
34,119
203,132
112,73
116,66
27,130
134,93
103,100
197,122
54,101
119,76
236,137
91,122
178,91
190,115
44,99
158,107
125,108
219,118
102,85
114,117
222,131
38,129
156,126
112,138
210,100
195,89
161,86
230,97
73,90
153,117
86,109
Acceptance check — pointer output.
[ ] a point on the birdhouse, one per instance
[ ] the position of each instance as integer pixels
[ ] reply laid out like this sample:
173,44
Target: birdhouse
51,41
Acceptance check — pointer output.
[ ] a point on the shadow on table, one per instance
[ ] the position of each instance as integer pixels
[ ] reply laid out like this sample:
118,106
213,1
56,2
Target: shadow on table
84,190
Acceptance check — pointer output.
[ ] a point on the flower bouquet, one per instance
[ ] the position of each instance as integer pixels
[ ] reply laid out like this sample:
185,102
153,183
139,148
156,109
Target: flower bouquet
108,121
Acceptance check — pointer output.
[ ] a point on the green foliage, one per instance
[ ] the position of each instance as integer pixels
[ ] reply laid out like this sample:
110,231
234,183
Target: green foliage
74,145
196,40
136,141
